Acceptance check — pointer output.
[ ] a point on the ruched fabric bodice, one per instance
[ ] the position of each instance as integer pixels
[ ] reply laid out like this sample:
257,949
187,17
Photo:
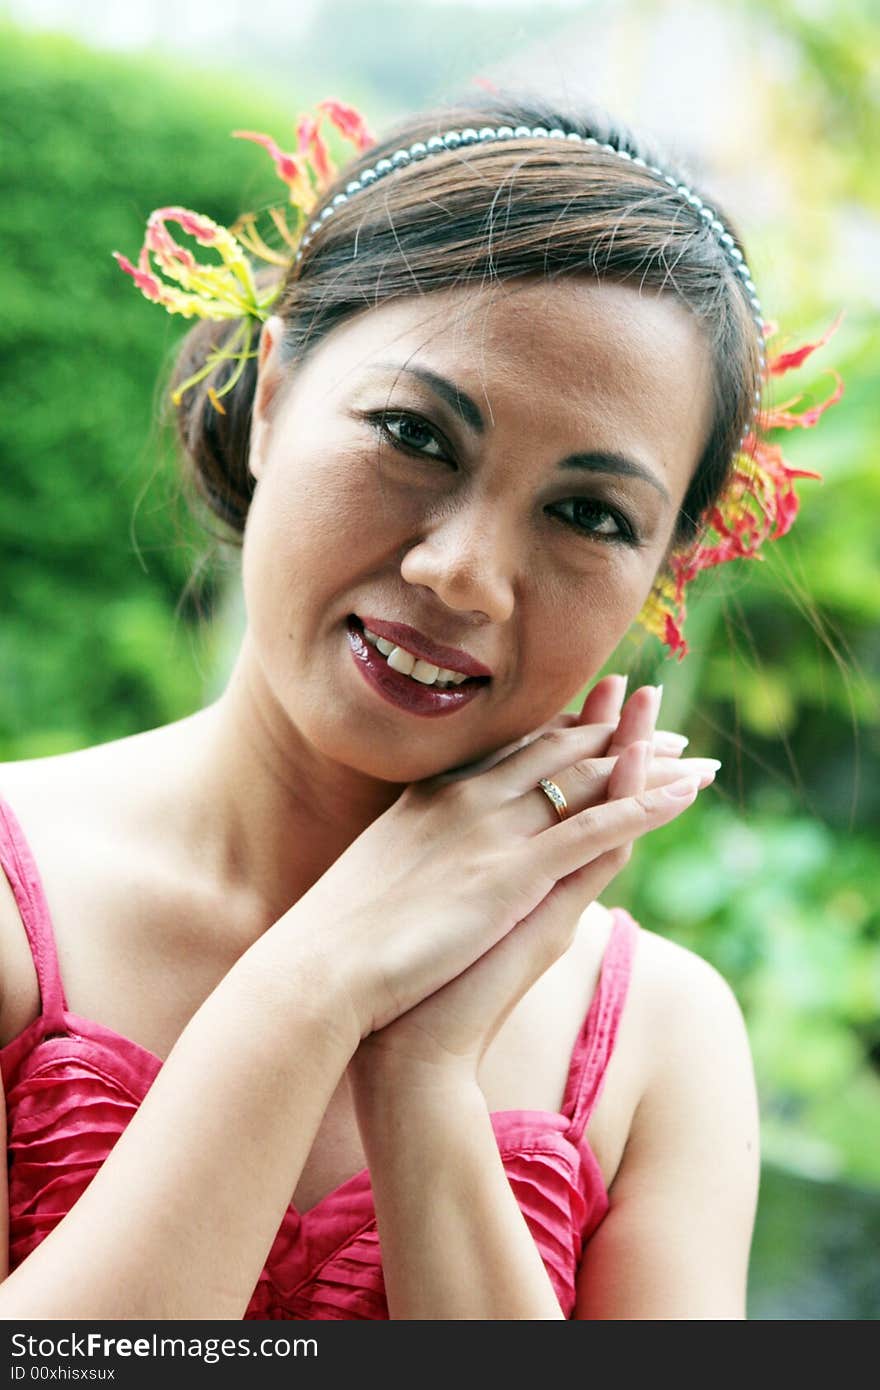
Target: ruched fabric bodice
72,1086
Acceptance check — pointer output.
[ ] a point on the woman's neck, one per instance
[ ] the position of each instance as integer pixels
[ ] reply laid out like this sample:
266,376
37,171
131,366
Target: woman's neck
259,808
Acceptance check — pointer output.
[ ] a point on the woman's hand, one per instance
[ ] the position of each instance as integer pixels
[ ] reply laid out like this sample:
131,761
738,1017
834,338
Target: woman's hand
601,706
453,1027
443,875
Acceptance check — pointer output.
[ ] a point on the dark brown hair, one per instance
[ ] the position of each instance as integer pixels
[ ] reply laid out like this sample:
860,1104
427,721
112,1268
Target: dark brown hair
483,213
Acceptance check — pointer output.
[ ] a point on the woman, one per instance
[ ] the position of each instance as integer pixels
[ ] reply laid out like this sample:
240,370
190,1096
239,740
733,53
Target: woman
337,935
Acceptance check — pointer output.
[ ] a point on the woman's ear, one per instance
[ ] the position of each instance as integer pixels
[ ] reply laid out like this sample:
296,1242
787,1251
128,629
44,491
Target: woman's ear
269,378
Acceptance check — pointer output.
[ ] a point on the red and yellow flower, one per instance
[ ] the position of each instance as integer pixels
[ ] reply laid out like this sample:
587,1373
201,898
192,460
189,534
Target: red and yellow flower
759,502
227,289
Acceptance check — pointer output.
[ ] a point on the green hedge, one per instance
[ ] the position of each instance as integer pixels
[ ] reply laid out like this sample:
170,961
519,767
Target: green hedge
93,565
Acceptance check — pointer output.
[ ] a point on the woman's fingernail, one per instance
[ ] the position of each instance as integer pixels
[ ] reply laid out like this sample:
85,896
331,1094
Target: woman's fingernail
665,740
658,696
685,789
620,684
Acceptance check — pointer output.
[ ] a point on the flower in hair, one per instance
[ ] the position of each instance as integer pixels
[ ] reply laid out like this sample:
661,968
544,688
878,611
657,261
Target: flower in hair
219,291
758,504
228,290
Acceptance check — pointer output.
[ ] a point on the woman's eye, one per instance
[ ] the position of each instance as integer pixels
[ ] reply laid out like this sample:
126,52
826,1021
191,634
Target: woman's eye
412,434
593,518
407,432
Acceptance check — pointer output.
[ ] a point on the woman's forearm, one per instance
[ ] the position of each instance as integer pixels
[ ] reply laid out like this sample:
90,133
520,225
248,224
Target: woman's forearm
454,1241
179,1219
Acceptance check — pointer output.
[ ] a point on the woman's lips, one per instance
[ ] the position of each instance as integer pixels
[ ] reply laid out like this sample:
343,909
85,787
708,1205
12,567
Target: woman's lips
449,658
400,690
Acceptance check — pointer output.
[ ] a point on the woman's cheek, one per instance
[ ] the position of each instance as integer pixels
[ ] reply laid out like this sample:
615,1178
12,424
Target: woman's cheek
596,615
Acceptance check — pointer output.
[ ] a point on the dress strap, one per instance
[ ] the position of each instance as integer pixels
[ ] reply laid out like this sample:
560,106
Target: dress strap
18,863
595,1042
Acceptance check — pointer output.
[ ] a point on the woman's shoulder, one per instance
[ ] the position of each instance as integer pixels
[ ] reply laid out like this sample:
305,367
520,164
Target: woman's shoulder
674,992
109,795
670,977
669,961
70,798
22,791
36,794
118,900
676,1000
664,974
682,1043
51,804
84,773
688,1030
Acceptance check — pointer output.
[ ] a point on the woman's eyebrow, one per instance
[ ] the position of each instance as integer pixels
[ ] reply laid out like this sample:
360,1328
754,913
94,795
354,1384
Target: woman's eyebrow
453,395
601,461
596,461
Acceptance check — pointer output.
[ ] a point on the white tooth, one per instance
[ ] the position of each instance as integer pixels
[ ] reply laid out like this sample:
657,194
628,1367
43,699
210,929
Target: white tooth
426,673
399,659
402,661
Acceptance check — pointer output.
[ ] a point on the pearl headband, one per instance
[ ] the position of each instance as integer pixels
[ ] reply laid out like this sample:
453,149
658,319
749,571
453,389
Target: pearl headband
453,139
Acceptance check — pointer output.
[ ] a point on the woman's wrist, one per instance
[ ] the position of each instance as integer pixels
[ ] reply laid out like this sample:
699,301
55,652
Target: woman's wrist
389,1089
293,975
410,1118
454,1242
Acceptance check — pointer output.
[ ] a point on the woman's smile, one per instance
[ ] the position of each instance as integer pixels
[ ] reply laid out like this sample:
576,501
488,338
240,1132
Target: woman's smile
404,690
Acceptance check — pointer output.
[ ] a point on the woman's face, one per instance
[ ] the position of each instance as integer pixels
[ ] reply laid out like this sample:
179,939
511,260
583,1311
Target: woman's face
517,509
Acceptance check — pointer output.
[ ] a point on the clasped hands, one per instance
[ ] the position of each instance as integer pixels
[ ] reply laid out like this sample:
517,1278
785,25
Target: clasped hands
441,1041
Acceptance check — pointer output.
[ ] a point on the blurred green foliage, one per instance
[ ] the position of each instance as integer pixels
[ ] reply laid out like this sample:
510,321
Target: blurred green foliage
91,645
772,875
786,909
814,1251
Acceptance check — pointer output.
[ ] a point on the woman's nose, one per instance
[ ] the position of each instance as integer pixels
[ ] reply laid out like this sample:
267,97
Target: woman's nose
467,560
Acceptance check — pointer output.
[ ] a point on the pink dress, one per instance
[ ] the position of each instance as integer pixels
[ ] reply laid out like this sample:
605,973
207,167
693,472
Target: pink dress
72,1085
